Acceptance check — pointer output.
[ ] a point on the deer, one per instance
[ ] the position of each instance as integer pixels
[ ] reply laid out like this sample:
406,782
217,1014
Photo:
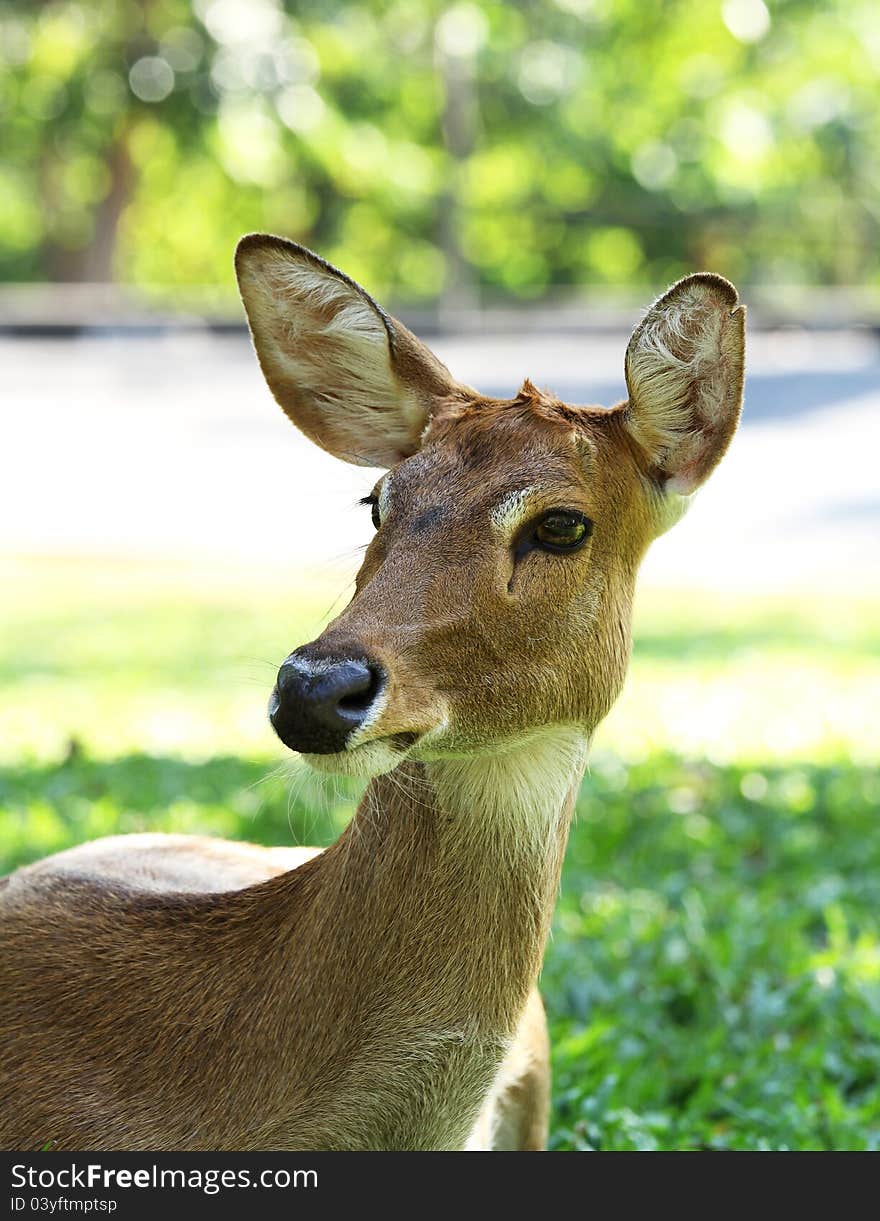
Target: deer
180,992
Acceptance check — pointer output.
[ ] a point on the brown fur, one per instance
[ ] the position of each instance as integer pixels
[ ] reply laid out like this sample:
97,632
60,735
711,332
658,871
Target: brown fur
173,993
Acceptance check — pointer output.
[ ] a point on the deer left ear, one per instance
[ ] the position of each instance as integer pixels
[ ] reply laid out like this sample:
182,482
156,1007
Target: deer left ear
684,373
349,376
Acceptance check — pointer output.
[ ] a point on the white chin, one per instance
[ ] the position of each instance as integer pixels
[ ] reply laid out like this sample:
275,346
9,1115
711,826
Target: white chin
371,759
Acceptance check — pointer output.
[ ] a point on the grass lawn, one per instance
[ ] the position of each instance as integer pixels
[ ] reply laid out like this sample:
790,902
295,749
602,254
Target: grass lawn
713,979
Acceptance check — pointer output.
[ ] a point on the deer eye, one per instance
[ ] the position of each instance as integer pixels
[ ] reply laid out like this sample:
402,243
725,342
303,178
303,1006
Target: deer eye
562,531
373,502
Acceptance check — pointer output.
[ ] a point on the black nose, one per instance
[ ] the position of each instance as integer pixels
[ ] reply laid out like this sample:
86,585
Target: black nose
318,702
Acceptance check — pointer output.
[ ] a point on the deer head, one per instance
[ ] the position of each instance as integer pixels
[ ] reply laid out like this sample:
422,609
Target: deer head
494,600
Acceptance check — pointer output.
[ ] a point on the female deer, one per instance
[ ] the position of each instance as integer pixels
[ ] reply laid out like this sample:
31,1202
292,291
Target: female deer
174,992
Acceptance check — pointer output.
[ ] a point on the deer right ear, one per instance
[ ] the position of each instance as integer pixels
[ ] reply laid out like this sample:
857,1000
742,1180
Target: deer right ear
353,379
684,373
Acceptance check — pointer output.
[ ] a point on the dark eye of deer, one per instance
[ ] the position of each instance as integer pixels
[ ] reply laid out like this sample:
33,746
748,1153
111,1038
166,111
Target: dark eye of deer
373,502
562,531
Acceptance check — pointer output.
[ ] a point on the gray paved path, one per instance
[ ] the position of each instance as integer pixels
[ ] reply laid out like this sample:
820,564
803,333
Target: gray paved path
171,447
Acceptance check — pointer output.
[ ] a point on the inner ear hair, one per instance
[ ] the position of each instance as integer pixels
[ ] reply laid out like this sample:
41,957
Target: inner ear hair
347,374
684,371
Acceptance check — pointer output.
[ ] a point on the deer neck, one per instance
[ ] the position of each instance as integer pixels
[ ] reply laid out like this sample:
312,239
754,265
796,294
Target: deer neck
461,858
445,882
428,918
377,987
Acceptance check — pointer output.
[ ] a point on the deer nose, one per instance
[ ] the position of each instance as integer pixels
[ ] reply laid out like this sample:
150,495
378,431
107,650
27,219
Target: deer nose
319,702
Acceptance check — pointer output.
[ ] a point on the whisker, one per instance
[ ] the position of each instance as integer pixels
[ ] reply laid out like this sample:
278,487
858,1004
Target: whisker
272,774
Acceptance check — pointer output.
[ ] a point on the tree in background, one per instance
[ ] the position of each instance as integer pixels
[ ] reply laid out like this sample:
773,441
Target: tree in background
504,148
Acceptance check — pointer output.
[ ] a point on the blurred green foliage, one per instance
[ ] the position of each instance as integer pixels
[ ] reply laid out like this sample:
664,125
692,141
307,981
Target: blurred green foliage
432,149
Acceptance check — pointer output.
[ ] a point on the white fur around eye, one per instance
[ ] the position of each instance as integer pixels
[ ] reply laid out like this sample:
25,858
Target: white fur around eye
514,509
385,498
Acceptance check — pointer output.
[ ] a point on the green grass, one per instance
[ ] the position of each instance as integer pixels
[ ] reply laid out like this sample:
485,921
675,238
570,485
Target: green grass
713,980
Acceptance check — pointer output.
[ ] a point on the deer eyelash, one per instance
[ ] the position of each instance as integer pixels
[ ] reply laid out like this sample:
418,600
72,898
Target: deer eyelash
373,501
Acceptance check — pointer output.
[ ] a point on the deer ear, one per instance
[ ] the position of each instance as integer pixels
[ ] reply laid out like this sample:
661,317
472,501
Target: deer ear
352,379
684,373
